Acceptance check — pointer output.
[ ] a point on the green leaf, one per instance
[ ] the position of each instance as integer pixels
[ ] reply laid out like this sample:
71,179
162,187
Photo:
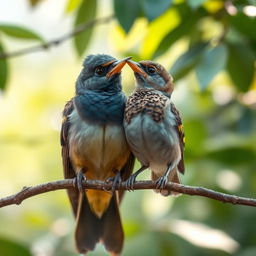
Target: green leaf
233,155
248,251
196,133
160,27
154,9
241,65
11,248
194,4
3,70
19,32
86,12
188,19
126,12
181,30
213,60
33,3
244,24
72,5
187,60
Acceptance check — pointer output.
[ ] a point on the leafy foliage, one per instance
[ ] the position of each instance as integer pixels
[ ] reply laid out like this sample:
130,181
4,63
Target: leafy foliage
72,5
187,61
132,11
241,65
3,70
187,23
192,14
153,9
86,12
232,46
10,248
213,60
19,32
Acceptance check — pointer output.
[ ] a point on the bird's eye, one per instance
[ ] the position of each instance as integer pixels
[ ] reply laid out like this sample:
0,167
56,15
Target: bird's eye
100,70
151,70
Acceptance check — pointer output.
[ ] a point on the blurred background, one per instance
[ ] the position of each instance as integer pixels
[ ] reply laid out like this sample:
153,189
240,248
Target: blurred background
209,46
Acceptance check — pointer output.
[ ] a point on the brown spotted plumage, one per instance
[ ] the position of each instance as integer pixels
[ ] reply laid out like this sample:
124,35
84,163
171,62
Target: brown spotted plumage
145,101
153,125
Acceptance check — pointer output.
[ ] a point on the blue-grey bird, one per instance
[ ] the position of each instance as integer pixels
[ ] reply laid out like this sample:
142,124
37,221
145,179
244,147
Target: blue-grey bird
94,148
153,125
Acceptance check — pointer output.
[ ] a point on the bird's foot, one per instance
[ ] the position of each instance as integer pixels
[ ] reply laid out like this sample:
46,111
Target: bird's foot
116,181
161,182
79,181
129,183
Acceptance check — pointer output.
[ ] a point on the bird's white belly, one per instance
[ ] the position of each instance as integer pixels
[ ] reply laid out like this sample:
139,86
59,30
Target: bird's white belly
154,144
97,147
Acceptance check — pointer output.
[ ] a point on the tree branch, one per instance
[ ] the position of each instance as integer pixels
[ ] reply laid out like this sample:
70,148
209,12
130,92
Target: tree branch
55,42
27,192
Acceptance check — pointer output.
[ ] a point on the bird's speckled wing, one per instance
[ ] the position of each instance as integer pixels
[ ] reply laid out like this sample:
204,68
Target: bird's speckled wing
180,130
69,172
145,101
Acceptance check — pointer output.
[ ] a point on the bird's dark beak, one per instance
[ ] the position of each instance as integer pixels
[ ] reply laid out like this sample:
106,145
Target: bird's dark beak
136,68
117,68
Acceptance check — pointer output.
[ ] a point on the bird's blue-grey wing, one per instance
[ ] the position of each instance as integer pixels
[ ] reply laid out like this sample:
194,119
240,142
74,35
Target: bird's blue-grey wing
180,130
126,172
69,172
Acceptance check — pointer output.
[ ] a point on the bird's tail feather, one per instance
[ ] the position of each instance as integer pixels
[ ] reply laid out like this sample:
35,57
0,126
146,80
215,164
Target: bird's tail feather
173,177
90,229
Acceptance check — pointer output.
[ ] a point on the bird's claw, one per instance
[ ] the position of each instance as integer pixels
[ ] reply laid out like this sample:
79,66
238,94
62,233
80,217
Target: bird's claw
129,183
161,182
79,181
116,181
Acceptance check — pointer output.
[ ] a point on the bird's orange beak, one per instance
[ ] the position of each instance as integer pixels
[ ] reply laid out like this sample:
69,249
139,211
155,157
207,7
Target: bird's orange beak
135,67
117,68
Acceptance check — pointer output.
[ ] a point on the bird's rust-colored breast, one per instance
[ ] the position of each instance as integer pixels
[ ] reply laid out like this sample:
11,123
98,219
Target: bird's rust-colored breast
146,101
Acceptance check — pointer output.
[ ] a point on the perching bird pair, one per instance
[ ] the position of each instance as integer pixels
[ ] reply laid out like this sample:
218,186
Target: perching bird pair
101,133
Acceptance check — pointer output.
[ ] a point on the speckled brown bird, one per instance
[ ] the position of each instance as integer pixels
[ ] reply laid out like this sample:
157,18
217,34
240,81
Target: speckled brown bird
153,125
94,147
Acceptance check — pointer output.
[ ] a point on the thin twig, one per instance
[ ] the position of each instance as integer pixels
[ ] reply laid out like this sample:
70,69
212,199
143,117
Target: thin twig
27,192
55,42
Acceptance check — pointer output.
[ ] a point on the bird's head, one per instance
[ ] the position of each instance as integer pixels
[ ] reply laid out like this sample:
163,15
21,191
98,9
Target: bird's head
100,72
152,75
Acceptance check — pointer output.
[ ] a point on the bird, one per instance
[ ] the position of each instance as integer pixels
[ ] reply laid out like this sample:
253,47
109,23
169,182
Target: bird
153,126
94,147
